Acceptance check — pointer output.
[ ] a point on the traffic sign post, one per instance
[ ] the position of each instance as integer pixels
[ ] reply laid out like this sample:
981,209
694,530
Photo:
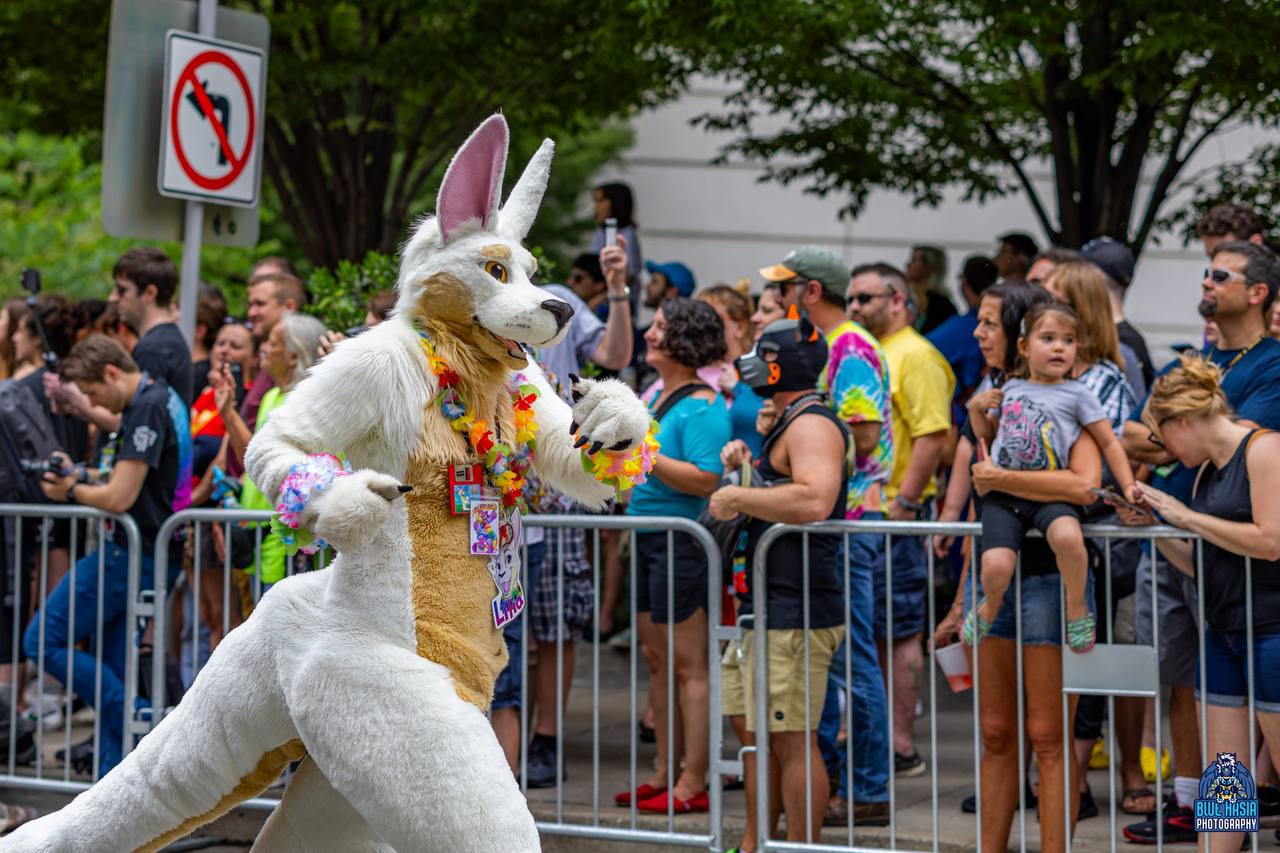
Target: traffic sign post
210,135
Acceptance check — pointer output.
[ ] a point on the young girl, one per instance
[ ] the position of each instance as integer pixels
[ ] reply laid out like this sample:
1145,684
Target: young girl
1041,415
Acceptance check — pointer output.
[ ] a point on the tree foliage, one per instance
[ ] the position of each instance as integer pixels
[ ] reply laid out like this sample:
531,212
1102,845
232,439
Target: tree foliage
366,100
979,94
50,219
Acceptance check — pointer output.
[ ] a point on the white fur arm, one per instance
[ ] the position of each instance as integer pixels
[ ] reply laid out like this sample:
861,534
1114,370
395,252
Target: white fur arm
606,412
362,394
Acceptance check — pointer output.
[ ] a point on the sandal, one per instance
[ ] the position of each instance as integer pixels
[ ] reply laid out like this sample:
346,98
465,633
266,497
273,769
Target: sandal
12,817
1133,797
974,627
1082,633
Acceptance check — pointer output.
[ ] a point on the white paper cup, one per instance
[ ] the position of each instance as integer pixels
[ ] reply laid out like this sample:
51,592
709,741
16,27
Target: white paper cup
955,666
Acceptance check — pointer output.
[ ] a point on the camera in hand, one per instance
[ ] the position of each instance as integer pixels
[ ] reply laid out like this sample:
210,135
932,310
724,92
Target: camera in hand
48,465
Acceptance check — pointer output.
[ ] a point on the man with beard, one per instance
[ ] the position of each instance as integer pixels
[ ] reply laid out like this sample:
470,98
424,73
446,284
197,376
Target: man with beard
1238,291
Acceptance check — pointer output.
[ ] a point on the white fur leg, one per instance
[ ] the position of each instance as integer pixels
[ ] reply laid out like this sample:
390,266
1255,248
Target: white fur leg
352,510
230,718
313,816
419,764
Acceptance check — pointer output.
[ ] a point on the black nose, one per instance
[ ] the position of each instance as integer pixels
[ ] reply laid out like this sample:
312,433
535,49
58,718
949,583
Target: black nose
560,309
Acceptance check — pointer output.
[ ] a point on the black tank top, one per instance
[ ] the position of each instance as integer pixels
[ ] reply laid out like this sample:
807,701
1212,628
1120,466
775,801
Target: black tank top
1225,493
786,555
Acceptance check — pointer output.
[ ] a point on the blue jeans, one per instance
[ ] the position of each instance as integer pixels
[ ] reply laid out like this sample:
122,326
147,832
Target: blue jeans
60,639
1226,660
869,729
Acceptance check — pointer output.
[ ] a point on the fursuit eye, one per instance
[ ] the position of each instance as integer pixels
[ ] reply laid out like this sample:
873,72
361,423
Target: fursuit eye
496,270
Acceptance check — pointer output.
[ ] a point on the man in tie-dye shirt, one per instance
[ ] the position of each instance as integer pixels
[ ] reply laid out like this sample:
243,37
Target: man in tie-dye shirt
813,280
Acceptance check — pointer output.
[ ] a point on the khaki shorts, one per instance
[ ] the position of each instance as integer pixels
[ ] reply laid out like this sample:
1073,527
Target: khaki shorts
733,691
787,711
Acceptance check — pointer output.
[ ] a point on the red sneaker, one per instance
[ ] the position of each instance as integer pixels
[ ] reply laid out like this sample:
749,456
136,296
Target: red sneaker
644,792
658,804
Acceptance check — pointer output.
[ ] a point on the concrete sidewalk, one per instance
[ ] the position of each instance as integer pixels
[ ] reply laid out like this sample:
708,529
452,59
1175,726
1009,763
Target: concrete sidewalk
572,803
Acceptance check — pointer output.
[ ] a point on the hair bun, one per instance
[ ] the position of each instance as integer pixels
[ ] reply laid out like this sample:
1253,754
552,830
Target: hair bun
1200,371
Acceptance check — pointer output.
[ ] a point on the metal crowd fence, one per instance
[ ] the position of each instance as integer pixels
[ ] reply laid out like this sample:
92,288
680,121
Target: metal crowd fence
555,816
1110,670
44,543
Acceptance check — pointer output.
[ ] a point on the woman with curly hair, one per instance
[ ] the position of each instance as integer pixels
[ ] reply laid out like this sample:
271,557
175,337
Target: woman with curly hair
693,426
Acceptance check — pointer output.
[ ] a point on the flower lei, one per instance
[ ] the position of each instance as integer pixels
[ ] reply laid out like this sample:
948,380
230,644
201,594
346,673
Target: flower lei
312,475
624,469
505,466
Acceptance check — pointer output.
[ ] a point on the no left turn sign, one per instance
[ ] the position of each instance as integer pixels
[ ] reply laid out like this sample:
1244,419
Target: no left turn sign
211,124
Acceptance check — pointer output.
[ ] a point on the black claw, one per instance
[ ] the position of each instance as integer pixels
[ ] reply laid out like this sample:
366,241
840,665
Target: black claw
595,448
621,445
582,440
573,427
404,488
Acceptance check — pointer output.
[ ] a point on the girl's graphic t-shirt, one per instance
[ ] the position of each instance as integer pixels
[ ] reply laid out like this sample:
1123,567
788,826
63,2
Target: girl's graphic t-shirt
1040,423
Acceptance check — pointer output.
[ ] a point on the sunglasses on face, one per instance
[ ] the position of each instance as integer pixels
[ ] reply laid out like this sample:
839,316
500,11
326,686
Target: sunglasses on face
1219,276
865,298
1154,439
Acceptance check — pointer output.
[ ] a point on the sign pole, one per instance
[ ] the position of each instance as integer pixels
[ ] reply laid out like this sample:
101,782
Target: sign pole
193,219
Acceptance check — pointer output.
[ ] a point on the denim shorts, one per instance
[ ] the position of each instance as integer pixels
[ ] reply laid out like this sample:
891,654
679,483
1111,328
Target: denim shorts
1041,615
1226,662
688,569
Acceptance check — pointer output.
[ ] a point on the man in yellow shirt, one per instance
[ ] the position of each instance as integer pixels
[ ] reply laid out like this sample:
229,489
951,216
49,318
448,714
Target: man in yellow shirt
921,385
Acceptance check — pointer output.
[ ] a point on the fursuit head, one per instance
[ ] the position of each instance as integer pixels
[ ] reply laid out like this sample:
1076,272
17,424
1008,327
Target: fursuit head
377,672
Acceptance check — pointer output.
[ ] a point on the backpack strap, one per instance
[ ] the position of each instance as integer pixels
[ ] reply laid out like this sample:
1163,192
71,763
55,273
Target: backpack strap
678,395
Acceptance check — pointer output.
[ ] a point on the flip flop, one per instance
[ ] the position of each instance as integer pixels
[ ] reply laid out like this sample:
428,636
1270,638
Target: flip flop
1133,794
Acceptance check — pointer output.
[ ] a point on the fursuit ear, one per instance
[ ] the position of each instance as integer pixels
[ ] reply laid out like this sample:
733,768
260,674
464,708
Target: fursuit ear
522,205
469,191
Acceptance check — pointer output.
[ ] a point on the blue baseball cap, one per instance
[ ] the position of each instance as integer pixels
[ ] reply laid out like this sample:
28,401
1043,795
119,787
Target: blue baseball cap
677,274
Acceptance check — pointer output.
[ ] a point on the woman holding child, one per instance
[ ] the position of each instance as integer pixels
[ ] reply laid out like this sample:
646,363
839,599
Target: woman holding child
1001,316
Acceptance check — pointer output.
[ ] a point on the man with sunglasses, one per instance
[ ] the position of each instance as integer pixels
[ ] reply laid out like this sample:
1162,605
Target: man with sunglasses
812,280
1237,292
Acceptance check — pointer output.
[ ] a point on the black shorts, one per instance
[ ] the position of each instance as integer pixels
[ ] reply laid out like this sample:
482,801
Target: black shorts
1006,519
688,570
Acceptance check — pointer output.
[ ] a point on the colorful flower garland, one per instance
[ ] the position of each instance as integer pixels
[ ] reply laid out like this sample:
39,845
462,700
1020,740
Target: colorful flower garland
624,469
505,465
312,475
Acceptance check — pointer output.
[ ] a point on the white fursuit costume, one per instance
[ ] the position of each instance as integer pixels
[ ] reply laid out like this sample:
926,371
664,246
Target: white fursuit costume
377,672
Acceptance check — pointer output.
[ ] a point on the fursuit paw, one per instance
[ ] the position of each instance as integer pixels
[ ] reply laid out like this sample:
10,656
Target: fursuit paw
606,415
352,511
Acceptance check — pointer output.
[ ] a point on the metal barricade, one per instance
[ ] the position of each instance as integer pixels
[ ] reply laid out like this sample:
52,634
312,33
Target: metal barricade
63,551
1109,670
593,823
573,812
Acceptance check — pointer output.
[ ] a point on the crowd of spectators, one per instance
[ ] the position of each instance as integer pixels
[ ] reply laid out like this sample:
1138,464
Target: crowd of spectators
837,393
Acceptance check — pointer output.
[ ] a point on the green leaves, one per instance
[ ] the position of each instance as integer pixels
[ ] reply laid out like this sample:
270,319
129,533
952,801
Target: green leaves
975,94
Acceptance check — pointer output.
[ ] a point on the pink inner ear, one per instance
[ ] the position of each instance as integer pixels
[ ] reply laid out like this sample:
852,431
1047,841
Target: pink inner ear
474,179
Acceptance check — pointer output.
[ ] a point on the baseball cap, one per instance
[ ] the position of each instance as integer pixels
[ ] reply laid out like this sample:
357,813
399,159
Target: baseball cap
1110,256
812,262
677,274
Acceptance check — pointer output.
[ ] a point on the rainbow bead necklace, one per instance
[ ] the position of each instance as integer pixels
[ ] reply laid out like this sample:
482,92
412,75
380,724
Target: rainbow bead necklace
505,466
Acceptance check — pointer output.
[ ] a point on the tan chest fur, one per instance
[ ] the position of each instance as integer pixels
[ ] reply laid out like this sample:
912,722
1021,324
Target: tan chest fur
452,590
